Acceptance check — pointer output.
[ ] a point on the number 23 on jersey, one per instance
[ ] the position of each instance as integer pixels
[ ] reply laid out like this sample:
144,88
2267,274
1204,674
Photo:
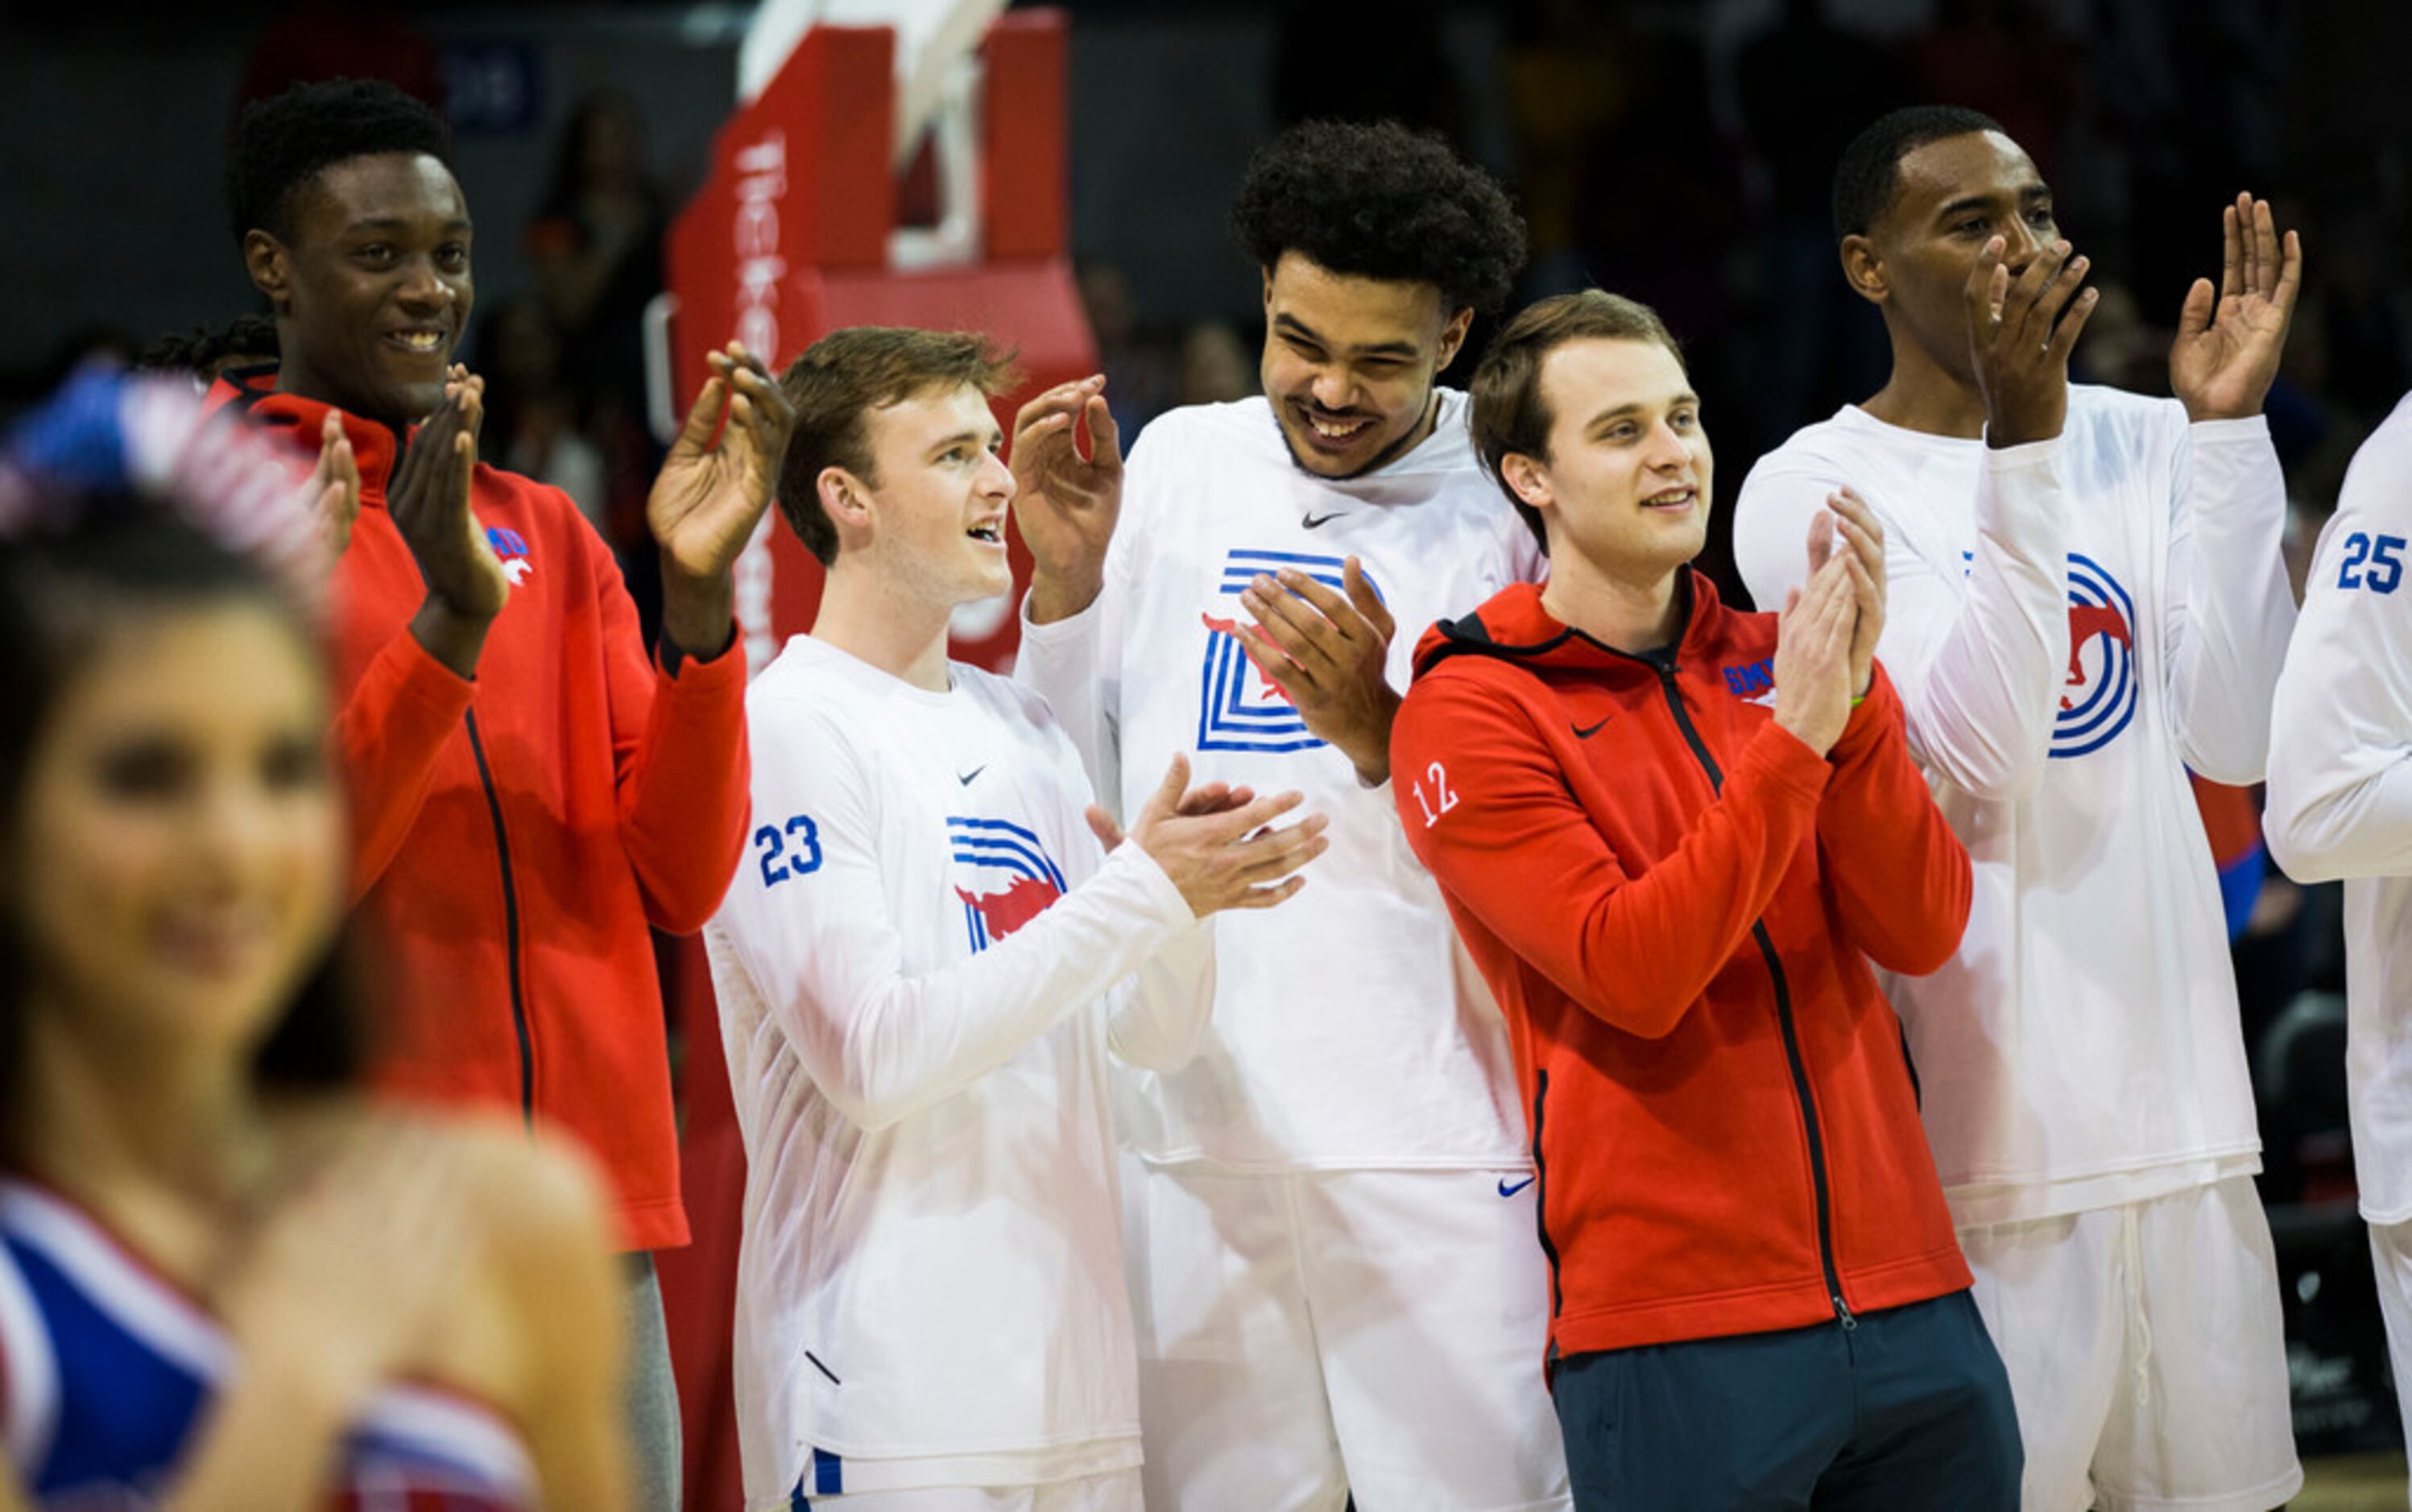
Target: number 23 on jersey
773,842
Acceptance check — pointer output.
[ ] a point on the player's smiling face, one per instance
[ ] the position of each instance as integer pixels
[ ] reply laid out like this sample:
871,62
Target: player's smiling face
1625,486
938,495
374,290
1349,363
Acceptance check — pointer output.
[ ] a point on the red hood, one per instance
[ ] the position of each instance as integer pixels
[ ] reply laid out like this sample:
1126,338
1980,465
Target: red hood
1513,626
294,421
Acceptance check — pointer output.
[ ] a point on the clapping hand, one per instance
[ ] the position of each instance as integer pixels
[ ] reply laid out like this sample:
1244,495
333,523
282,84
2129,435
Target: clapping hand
711,494
1329,655
1848,520
335,485
1217,843
2228,346
1065,504
428,499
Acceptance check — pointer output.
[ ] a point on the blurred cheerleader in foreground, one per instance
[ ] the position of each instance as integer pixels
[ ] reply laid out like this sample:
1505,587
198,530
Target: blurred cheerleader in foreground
226,1280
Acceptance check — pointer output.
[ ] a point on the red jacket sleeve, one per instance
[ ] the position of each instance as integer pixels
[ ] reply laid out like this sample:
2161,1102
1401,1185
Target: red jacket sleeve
677,750
387,735
1634,941
1899,875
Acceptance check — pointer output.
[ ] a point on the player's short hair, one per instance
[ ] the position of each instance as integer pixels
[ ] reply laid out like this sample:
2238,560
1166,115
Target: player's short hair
1867,178
282,144
836,384
1509,414
1380,201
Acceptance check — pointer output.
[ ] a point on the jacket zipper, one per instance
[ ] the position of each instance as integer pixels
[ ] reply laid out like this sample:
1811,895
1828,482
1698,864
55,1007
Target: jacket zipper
1665,670
510,923
1541,1197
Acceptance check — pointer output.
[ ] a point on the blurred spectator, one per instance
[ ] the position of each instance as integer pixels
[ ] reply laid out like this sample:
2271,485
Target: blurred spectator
1141,383
531,415
1214,366
596,247
1824,345
1566,81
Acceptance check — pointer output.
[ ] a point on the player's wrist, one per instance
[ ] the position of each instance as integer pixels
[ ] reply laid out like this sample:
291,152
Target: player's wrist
1061,596
699,615
453,637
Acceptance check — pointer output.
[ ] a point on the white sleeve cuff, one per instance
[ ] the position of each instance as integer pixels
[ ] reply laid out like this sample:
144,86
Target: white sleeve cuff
2026,454
1161,898
1055,632
2249,428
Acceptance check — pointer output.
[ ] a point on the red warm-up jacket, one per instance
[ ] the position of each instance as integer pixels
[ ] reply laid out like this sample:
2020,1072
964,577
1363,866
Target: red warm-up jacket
1675,902
513,836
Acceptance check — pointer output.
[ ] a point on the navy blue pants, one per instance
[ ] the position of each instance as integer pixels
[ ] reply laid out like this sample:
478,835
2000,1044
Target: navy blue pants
1910,1409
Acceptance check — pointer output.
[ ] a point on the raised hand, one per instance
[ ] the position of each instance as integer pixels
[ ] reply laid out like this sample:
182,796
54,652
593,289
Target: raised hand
1329,655
2019,332
1848,520
710,493
1813,655
335,485
2228,346
428,499
1216,843
1065,504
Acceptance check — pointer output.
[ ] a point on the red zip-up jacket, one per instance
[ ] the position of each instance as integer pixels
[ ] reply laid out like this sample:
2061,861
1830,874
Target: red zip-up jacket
1675,903
514,836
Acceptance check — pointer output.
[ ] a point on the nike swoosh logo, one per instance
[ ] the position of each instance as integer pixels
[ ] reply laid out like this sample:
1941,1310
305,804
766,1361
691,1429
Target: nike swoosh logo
1506,1191
1315,522
1583,734
965,778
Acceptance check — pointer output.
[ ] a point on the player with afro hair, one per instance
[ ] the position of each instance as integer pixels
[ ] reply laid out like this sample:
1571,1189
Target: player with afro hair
1379,202
1272,561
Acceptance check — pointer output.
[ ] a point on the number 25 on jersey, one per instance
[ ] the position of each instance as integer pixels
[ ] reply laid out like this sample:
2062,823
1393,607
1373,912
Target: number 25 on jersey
2372,562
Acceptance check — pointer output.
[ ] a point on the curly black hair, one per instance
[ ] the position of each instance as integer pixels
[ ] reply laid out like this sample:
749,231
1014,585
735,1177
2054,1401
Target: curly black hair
1868,178
1377,200
281,144
246,338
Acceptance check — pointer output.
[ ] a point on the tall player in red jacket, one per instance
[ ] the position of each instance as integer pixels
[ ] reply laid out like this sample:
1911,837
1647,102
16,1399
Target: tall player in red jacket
529,789
1673,836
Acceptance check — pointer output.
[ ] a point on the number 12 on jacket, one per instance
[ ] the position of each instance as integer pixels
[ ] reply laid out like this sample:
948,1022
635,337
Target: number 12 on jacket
1441,795
771,841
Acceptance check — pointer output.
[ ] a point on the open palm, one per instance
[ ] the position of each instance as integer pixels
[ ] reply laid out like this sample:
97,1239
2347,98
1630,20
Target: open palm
710,493
2228,346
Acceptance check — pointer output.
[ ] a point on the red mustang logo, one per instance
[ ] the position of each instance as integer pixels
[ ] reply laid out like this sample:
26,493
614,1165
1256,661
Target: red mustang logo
1240,632
1002,913
2086,622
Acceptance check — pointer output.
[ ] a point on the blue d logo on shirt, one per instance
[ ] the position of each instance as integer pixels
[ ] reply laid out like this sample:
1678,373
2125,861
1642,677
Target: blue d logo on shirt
1239,708
2099,696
